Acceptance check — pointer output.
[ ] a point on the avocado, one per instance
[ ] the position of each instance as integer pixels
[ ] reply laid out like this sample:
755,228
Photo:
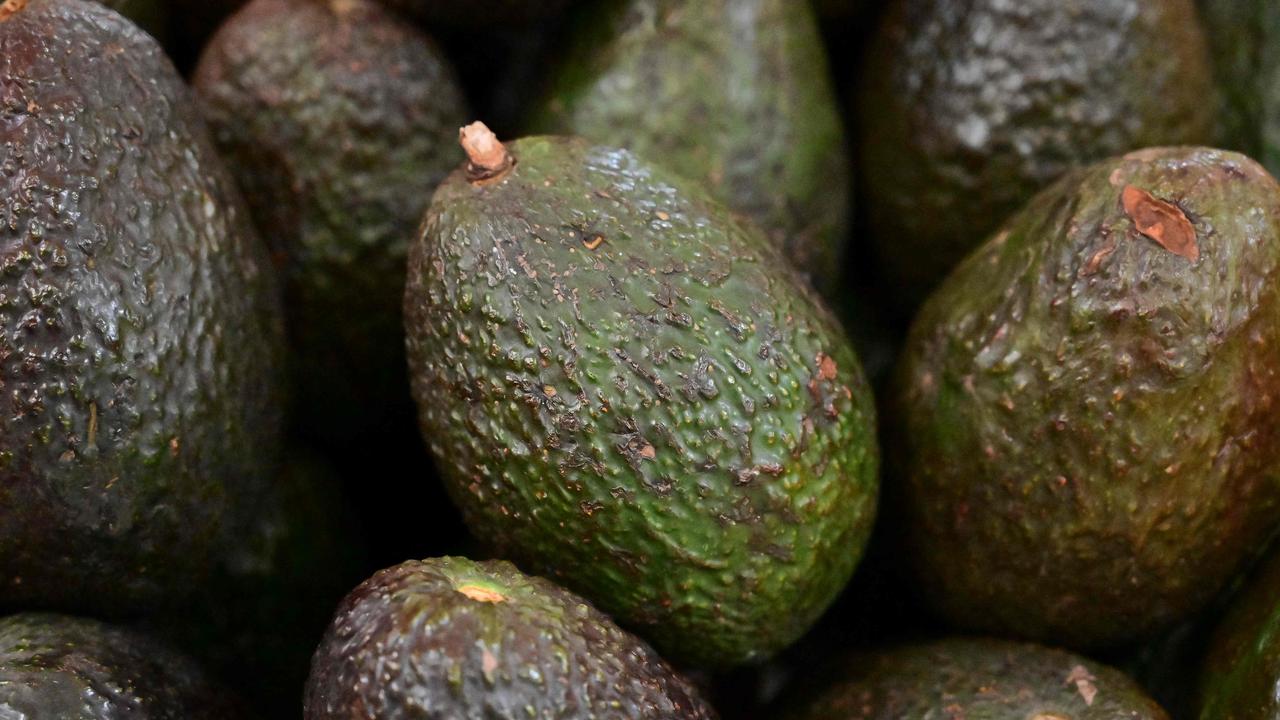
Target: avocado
452,638
1241,670
70,668
732,94
338,119
1085,409
629,391
142,332
1244,39
978,679
968,107
478,13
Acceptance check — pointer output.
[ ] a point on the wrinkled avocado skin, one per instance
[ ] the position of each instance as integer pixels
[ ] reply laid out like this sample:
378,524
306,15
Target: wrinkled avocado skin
338,120
69,668
979,679
527,649
635,395
1244,38
1086,419
968,107
1241,672
734,94
142,333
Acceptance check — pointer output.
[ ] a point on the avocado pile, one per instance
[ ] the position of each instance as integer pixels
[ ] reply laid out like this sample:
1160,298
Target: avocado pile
639,359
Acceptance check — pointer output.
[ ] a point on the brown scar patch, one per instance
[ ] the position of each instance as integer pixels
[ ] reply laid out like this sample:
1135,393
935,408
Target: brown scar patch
482,594
1161,221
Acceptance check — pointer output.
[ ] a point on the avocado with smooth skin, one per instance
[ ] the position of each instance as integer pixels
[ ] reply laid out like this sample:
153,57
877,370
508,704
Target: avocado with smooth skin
968,107
1240,674
1085,409
338,119
629,390
142,330
1244,40
68,668
978,679
735,95
452,638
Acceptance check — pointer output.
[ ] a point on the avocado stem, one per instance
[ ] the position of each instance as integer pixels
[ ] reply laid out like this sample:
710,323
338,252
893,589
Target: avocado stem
10,7
487,158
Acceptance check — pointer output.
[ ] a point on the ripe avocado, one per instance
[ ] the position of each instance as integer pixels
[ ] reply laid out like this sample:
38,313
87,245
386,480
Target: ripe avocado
451,638
69,668
142,333
968,107
338,119
1241,671
630,391
1086,407
979,679
1244,39
733,94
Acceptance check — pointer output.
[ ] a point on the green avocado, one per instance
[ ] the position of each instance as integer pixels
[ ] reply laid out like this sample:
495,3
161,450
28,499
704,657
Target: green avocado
978,679
632,393
1086,407
733,94
142,333
68,668
338,119
1244,39
1240,673
451,638
969,107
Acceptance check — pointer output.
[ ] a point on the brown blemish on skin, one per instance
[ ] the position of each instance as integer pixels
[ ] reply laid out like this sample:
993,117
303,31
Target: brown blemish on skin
1095,261
1083,680
648,452
487,159
481,594
9,7
826,367
488,663
593,241
93,423
1161,221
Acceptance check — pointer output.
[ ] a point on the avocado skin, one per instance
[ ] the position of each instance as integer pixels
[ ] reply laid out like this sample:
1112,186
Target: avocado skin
733,94
1244,39
1085,419
338,119
670,424
538,652
1240,672
978,679
142,328
69,668
968,107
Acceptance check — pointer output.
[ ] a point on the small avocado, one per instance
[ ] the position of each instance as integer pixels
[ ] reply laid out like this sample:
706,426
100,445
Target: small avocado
629,390
735,95
59,667
451,638
978,679
142,338
338,119
1086,406
1244,39
969,107
1241,672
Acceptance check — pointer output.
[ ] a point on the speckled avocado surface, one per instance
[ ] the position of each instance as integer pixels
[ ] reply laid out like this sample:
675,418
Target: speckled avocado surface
338,120
733,94
1244,39
142,332
968,107
69,668
1240,674
451,638
979,679
1086,406
632,393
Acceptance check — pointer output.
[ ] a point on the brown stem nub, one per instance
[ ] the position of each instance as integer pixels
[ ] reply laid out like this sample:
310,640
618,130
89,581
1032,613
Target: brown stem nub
9,7
488,160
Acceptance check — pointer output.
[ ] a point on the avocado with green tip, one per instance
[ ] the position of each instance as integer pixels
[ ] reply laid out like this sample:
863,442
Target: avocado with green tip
141,352
452,638
630,391
1086,406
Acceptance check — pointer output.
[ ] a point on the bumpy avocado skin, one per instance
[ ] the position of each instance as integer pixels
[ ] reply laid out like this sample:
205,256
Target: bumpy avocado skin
1086,419
142,337
69,668
968,107
1244,39
451,638
734,94
1241,672
338,119
633,393
979,679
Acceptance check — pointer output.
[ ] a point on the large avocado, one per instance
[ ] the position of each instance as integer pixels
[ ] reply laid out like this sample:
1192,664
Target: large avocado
977,679
1244,37
142,334
632,393
451,638
968,107
1086,407
59,667
733,94
338,119
1240,675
